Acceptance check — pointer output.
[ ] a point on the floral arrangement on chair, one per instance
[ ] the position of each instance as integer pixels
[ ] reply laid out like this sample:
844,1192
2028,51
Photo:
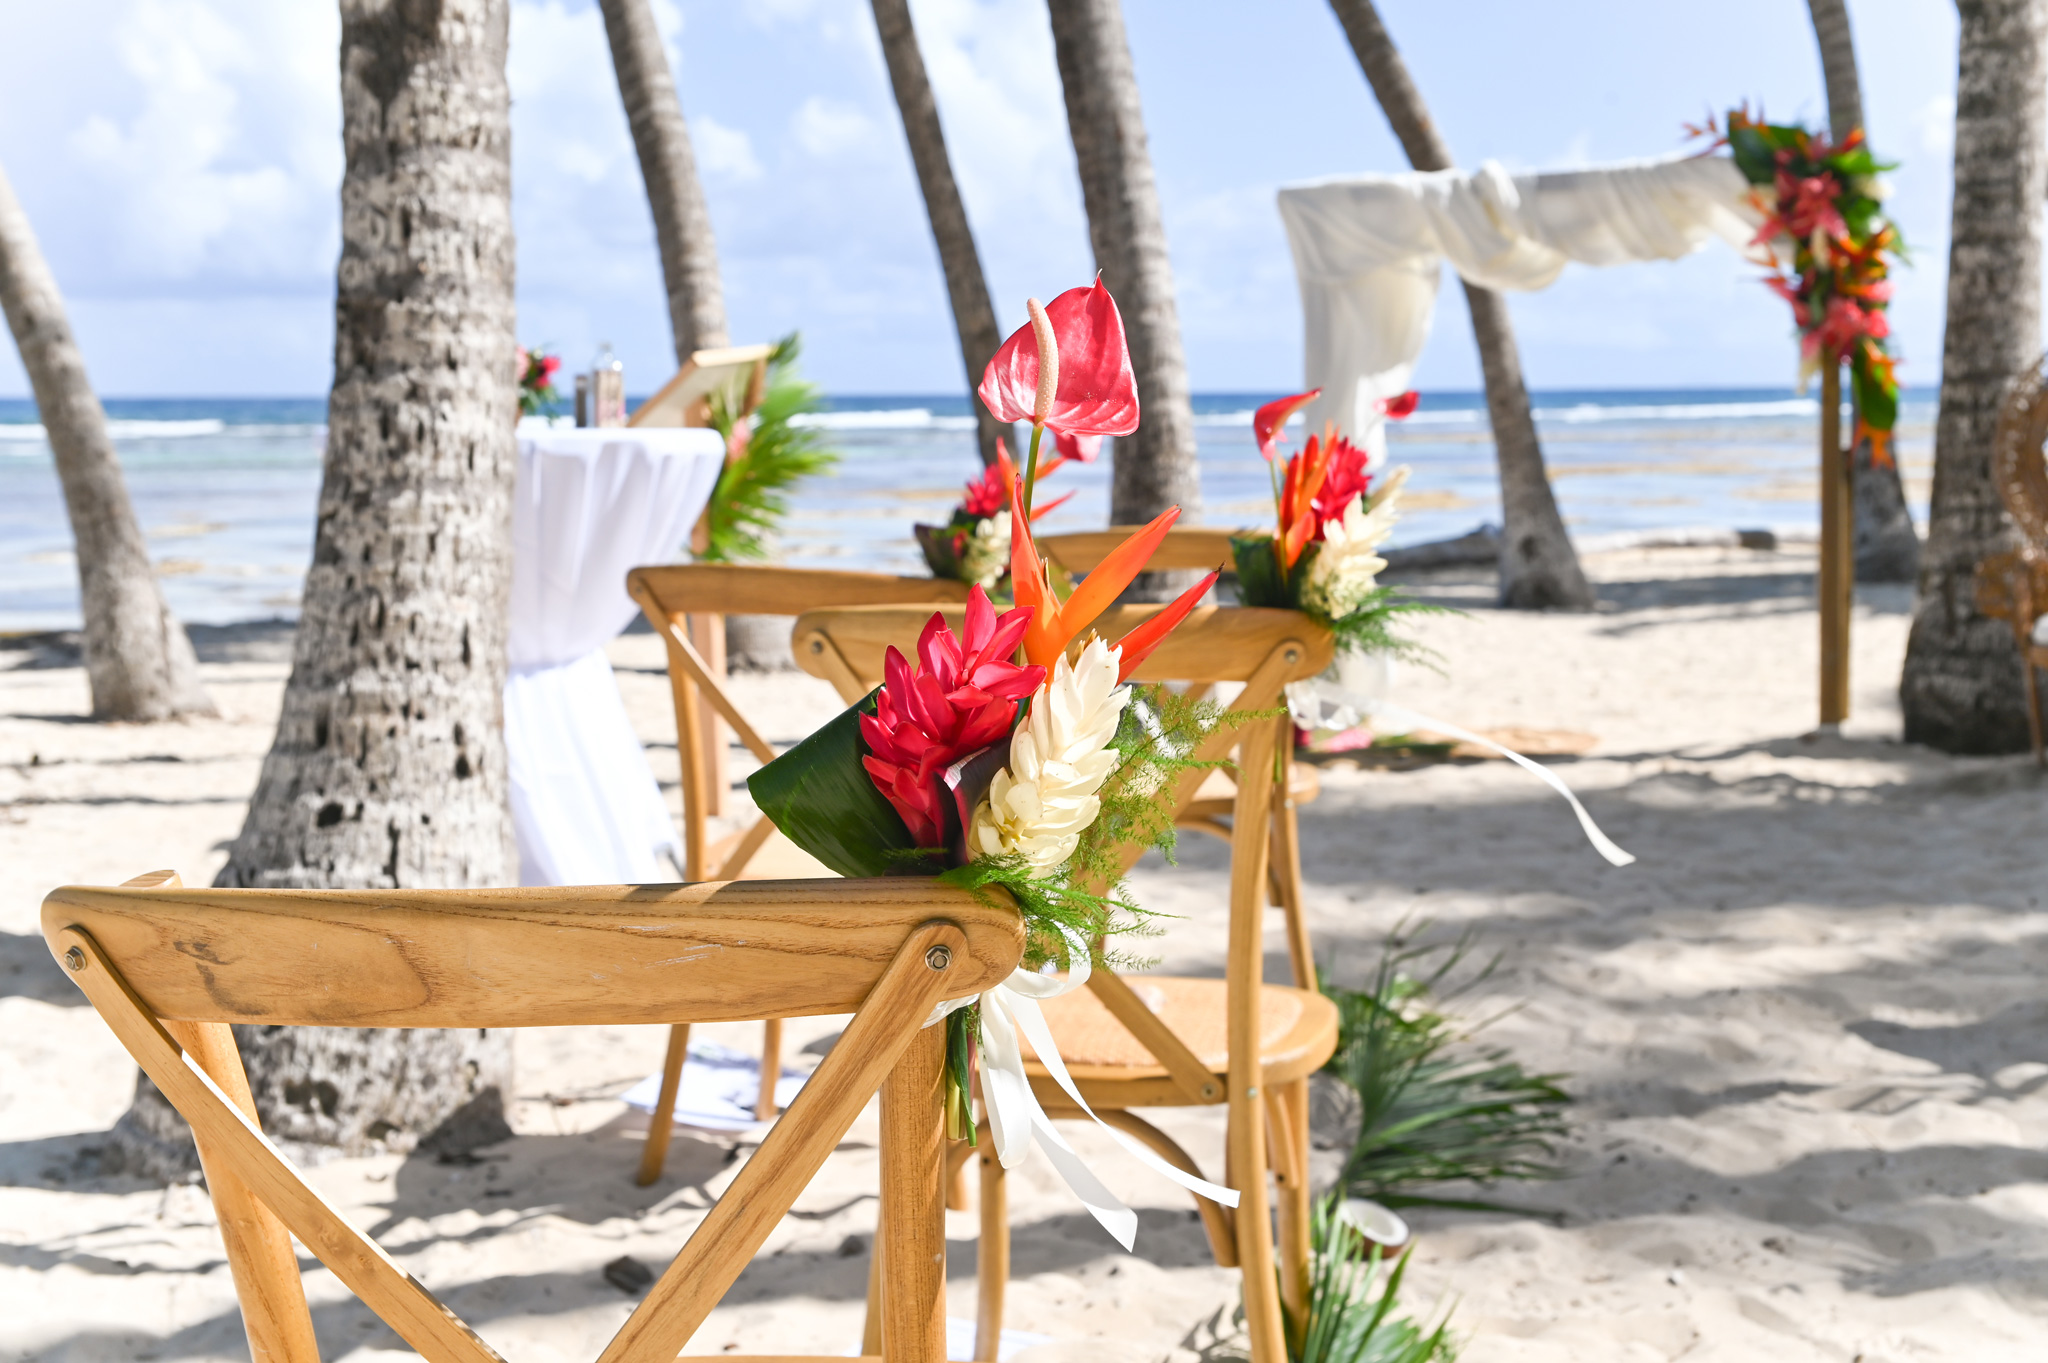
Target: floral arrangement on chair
986,770
1825,227
973,546
1322,557
537,370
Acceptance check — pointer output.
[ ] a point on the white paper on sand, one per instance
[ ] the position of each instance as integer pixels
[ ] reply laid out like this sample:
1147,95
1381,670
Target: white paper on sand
718,1090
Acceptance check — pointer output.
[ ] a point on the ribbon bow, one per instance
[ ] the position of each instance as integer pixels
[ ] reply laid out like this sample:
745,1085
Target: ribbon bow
1009,1012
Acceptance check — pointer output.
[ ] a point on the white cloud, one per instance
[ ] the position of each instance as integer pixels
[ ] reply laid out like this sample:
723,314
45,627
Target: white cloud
828,129
1934,125
722,150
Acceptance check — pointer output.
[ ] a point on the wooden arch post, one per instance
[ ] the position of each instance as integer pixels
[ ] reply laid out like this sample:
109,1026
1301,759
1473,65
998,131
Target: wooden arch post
1837,554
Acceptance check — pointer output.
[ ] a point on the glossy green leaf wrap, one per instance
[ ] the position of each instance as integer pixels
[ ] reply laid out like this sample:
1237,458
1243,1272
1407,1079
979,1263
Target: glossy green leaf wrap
820,796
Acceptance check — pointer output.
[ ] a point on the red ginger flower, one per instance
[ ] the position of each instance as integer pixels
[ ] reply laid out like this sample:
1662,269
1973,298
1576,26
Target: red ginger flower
961,698
1347,479
990,493
1093,390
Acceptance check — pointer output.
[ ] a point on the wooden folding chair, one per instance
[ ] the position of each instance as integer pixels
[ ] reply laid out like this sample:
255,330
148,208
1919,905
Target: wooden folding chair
171,969
1158,1041
686,604
1197,549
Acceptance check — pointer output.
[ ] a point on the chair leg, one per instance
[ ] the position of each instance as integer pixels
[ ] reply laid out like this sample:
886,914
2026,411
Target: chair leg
659,1122
1217,1220
771,1067
1287,1122
913,1231
992,1275
2033,698
1252,829
259,1249
871,1327
1255,1229
1286,853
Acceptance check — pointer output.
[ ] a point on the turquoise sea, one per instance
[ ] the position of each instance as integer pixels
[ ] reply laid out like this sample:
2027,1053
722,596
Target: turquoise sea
225,487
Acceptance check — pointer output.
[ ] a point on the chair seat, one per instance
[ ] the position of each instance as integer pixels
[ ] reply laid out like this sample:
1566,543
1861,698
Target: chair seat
1297,1033
1218,791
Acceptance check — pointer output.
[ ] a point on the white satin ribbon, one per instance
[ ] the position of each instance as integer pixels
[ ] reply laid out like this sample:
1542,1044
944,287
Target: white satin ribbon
1318,703
1010,1011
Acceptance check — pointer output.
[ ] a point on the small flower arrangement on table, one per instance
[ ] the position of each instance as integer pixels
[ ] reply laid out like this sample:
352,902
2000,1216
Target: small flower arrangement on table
1824,225
537,370
984,770
1322,557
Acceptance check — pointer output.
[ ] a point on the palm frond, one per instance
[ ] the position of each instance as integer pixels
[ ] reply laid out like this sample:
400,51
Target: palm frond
1348,1322
1433,1107
752,493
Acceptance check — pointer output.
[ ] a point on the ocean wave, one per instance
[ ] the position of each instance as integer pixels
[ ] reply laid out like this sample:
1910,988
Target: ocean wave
894,419
32,432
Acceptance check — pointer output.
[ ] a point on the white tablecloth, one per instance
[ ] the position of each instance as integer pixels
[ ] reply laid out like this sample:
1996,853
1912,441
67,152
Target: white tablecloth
590,504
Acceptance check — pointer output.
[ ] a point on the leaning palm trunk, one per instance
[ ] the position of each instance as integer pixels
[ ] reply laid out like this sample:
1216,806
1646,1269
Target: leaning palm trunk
1961,687
668,166
138,659
388,768
1887,548
1155,467
1539,569
974,317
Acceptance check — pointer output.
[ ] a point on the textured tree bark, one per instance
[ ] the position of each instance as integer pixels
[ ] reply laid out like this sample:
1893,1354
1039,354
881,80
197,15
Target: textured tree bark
974,317
1155,467
1961,686
1539,569
668,166
1887,548
388,768
138,660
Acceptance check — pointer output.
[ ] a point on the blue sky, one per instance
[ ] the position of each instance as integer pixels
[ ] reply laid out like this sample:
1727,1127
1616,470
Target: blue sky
180,158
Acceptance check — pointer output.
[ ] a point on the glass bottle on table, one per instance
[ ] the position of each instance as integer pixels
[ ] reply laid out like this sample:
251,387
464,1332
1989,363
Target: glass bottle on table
607,388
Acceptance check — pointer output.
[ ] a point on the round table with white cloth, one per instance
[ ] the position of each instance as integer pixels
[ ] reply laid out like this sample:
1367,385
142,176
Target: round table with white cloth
590,504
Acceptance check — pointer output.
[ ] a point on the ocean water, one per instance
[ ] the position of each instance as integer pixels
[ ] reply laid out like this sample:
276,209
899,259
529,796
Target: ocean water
225,487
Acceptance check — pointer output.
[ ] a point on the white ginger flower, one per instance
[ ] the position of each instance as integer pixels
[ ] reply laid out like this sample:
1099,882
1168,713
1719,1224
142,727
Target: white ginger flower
985,556
1059,757
1348,565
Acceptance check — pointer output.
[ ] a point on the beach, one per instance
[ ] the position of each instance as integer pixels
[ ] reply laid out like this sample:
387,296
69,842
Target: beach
1803,1031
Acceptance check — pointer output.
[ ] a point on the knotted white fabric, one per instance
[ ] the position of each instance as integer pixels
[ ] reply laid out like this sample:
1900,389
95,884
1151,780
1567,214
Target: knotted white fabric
1010,1015
589,505
1367,252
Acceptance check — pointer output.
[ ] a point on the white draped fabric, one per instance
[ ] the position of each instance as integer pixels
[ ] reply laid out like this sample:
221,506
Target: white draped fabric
589,505
1367,251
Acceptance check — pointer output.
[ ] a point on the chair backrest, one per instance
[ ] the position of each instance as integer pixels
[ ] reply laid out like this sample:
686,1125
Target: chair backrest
170,968
2019,461
672,596
1263,649
1190,548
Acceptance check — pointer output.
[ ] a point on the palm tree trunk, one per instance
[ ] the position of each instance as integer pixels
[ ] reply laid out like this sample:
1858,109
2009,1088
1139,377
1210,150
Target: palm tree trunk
1155,467
974,317
138,660
1539,569
682,223
1961,687
1887,548
388,768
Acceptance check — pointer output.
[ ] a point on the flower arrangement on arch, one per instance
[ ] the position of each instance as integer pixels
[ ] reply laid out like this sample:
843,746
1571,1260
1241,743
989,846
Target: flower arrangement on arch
537,369
1824,224
1322,557
1015,750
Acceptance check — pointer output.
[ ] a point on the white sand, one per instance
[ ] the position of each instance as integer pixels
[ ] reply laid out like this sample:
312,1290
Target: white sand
1805,1031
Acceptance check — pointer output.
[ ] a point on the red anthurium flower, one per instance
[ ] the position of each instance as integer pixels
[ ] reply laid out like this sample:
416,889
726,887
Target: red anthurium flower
1401,406
961,697
1267,421
1078,341
1082,449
